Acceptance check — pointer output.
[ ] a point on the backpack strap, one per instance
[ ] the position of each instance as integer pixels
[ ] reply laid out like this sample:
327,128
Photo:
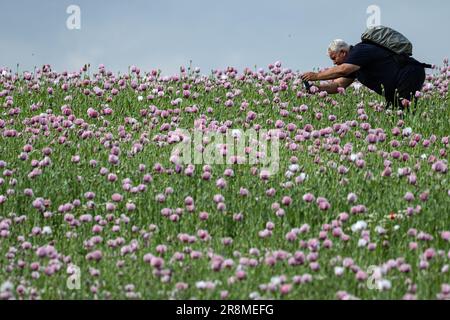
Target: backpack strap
427,65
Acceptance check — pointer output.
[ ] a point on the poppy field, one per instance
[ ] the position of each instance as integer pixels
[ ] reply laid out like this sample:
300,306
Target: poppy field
97,202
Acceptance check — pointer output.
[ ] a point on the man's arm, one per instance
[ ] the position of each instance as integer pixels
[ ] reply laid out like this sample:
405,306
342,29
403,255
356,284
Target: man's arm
332,87
333,73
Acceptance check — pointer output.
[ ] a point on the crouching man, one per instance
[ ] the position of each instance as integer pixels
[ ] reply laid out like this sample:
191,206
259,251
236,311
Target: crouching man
396,78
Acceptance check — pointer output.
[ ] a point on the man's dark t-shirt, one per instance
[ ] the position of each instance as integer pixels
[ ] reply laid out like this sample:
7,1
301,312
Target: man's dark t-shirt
380,71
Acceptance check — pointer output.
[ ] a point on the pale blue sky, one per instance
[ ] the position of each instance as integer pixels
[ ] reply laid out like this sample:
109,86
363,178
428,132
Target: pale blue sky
213,34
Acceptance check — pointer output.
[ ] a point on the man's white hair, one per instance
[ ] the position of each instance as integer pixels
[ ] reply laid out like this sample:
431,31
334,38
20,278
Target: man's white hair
338,45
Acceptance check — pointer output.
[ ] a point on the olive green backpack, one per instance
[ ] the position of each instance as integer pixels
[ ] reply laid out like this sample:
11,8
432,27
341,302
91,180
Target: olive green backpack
392,40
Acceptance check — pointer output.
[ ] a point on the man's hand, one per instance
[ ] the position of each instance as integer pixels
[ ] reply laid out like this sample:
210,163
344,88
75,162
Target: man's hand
309,76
